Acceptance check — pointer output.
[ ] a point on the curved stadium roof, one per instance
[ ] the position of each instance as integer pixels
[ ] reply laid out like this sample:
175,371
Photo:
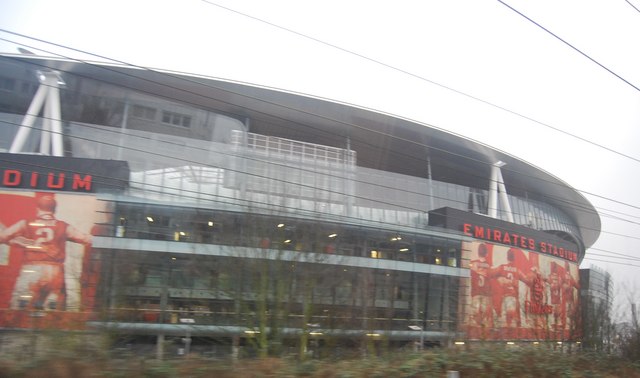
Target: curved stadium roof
382,141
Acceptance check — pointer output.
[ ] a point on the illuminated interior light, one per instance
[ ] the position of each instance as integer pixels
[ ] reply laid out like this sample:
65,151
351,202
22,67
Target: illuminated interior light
333,235
559,342
510,343
536,343
210,223
403,249
182,233
375,255
149,219
280,225
316,333
459,343
373,334
173,258
287,241
251,332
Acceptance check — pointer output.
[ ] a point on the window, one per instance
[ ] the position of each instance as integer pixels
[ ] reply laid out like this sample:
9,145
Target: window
176,119
7,84
144,112
29,88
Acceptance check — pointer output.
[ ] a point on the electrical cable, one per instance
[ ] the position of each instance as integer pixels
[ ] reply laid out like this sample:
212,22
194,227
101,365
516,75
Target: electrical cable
384,134
196,195
289,31
520,115
570,45
611,262
632,6
349,124
422,145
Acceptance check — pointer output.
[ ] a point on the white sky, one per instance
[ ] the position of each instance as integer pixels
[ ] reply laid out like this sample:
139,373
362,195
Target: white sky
478,47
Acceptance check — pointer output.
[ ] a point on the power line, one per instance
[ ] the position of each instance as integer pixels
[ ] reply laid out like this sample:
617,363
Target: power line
570,45
570,203
618,254
277,104
250,203
306,112
352,125
614,257
632,6
408,141
219,200
386,65
611,262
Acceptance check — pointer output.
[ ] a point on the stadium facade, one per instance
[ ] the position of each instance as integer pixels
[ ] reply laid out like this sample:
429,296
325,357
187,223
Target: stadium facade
191,213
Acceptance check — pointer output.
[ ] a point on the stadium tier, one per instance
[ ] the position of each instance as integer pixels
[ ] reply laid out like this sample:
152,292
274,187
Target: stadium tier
192,214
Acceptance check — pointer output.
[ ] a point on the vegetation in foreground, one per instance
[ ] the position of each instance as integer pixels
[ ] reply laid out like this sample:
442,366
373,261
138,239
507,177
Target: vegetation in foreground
490,361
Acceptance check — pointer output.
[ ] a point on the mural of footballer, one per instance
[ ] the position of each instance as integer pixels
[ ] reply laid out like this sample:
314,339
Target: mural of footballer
41,280
508,276
481,301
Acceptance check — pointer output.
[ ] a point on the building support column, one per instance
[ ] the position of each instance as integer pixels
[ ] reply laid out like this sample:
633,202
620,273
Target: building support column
160,346
47,95
498,194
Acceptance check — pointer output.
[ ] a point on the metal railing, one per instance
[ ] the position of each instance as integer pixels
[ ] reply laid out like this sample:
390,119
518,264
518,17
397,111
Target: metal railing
292,149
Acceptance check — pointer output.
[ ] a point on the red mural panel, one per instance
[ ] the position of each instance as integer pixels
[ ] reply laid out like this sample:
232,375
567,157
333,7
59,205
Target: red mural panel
48,275
519,294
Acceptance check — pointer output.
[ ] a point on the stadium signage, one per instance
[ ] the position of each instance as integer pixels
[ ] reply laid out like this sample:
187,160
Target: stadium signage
497,231
47,180
517,240
68,174
537,308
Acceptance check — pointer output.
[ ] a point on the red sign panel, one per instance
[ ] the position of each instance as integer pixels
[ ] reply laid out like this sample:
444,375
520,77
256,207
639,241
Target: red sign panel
48,273
515,293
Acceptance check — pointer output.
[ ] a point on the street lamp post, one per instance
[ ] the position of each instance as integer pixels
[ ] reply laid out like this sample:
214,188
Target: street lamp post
187,339
418,328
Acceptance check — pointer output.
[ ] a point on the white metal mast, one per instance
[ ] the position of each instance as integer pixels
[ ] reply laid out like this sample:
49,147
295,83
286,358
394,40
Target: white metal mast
498,193
47,96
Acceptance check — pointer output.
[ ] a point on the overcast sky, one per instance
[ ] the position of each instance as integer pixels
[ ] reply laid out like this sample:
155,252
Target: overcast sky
476,68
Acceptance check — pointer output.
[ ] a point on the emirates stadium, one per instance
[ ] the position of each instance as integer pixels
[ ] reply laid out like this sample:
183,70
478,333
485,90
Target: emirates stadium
187,214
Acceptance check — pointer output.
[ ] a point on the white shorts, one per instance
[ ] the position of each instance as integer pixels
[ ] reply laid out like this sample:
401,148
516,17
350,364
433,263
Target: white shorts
49,277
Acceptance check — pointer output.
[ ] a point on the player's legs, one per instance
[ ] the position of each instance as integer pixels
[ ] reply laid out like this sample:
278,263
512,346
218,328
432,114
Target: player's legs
509,306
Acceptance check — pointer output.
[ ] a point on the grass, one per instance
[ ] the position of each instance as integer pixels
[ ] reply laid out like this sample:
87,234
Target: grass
488,361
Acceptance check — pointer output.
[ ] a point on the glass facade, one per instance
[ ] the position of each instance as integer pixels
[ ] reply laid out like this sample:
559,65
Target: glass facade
103,121
362,277
596,295
238,231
